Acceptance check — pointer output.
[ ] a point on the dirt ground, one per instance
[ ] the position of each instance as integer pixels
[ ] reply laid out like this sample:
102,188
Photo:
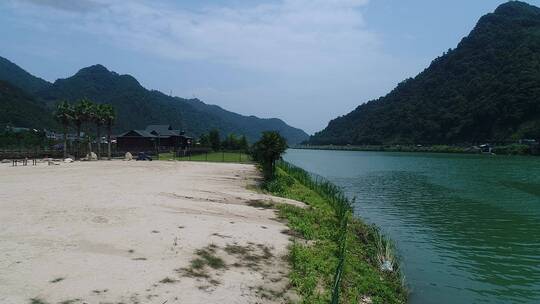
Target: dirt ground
139,232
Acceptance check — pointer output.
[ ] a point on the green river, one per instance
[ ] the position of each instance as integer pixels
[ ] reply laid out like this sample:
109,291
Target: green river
467,227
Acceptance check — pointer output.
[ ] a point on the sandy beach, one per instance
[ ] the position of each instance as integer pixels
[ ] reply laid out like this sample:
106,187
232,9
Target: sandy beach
139,232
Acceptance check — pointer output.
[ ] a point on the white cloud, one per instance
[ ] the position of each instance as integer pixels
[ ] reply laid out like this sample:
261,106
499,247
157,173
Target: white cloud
309,50
290,35
69,5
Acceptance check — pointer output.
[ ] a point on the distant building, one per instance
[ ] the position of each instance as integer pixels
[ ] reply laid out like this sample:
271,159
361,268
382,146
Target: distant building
154,136
60,136
17,129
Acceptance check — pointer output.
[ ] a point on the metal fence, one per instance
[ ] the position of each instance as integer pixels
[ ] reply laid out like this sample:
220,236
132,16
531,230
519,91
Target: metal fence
207,155
342,207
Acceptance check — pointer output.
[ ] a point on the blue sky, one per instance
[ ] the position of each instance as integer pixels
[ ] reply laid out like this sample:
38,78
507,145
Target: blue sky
304,61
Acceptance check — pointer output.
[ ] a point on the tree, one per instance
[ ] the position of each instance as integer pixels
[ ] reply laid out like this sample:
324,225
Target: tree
243,144
98,118
90,117
64,115
214,139
268,150
79,117
204,140
108,116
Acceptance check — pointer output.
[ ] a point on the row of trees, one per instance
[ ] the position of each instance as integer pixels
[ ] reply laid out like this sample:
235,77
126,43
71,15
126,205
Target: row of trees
231,142
86,112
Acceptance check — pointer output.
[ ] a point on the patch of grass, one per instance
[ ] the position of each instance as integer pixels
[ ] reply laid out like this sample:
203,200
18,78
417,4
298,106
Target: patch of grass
249,256
37,301
313,255
261,204
227,157
71,301
168,280
210,259
207,258
59,279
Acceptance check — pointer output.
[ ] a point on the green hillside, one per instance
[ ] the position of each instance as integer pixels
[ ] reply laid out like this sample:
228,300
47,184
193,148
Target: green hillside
17,108
487,89
13,74
138,107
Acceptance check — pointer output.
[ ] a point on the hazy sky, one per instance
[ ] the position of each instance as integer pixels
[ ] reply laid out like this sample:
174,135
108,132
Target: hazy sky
304,61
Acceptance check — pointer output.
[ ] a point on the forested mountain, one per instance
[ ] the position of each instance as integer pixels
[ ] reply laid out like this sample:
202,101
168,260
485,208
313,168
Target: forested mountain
18,108
487,89
13,74
138,107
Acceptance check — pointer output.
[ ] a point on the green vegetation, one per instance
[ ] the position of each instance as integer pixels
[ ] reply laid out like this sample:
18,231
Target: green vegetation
136,105
512,149
227,157
86,112
22,139
232,142
20,109
20,78
484,90
267,151
206,260
321,246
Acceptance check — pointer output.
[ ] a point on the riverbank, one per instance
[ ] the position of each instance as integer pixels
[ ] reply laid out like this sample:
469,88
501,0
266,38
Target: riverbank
140,232
370,272
513,149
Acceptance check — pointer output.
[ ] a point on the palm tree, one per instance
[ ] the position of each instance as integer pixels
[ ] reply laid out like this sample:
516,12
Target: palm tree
64,115
100,115
82,114
108,116
78,119
92,117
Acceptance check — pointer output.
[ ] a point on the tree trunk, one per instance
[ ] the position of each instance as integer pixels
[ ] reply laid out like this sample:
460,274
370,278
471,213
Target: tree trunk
98,131
65,141
78,140
89,147
109,142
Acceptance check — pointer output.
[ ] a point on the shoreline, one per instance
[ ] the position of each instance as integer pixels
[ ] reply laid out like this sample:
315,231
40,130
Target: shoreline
334,256
507,150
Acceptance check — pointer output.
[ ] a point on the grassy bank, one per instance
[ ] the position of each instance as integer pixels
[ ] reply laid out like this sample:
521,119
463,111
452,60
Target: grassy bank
227,157
318,235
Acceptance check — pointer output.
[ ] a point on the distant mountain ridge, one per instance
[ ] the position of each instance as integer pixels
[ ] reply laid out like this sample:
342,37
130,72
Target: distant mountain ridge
487,89
138,107
13,74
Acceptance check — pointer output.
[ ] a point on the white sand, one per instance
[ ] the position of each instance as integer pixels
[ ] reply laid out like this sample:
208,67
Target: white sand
111,231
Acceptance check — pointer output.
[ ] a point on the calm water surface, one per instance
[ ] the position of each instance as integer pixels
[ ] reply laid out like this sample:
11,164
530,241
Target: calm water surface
467,227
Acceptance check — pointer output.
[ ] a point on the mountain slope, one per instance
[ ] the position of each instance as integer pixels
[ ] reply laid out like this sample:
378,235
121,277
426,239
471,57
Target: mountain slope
250,125
13,74
488,88
17,108
138,107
